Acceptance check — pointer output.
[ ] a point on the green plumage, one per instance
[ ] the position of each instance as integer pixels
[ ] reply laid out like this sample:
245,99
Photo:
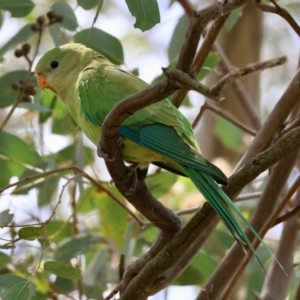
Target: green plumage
90,86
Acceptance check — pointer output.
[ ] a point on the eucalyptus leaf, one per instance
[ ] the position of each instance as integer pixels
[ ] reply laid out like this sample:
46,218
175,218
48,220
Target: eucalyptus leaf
101,42
17,8
146,13
62,270
5,217
69,19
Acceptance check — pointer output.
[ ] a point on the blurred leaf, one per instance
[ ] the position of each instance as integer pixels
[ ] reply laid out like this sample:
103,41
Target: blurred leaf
150,234
58,230
17,8
68,154
7,281
205,264
98,273
5,218
65,125
113,217
47,190
230,135
48,101
7,95
161,183
1,18
34,107
62,270
30,233
89,4
77,245
233,18
146,13
65,285
15,148
23,35
212,60
178,37
101,42
20,291
56,34
197,273
4,260
190,276
69,21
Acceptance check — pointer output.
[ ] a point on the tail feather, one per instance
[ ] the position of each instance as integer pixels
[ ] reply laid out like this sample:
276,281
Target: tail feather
220,203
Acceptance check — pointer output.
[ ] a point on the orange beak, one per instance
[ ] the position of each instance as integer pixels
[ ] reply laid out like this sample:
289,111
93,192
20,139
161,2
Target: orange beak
42,82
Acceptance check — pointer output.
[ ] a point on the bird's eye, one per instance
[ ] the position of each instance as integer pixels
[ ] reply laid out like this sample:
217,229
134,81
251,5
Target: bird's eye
54,64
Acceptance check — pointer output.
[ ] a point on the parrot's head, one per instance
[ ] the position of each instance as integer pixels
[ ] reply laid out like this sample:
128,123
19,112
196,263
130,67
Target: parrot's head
60,67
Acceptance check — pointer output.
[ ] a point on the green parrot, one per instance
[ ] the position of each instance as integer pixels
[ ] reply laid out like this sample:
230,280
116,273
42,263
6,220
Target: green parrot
90,86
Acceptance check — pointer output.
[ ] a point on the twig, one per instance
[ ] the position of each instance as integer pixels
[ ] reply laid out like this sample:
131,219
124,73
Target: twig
189,82
114,291
287,215
250,69
238,88
248,196
279,11
227,116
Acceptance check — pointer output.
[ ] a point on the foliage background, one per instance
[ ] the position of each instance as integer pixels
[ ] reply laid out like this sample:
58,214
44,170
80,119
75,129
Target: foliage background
40,144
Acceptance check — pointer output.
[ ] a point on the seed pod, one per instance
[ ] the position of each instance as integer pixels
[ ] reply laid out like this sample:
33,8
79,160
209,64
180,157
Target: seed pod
58,18
15,86
35,27
40,20
51,14
26,48
19,52
26,98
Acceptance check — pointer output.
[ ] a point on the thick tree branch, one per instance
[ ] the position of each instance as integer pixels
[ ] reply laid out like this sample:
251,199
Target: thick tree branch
203,222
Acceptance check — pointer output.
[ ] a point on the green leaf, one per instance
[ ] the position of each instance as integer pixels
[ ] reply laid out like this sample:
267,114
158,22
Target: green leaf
20,291
69,21
88,4
5,218
74,246
212,60
7,281
68,154
15,148
161,183
30,233
7,95
146,13
178,37
48,100
62,270
23,35
150,234
58,230
230,135
113,216
47,190
34,107
101,42
233,18
17,8
4,260
56,34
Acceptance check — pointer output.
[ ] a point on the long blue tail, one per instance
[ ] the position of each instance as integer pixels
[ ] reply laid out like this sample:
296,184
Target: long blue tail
221,203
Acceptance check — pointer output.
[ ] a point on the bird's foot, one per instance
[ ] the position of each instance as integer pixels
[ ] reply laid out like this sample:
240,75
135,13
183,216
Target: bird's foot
133,176
101,153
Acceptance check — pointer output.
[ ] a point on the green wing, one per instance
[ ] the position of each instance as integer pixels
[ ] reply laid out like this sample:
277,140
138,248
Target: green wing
159,127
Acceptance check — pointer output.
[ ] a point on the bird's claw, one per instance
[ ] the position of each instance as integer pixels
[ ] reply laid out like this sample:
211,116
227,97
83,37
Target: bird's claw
101,153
